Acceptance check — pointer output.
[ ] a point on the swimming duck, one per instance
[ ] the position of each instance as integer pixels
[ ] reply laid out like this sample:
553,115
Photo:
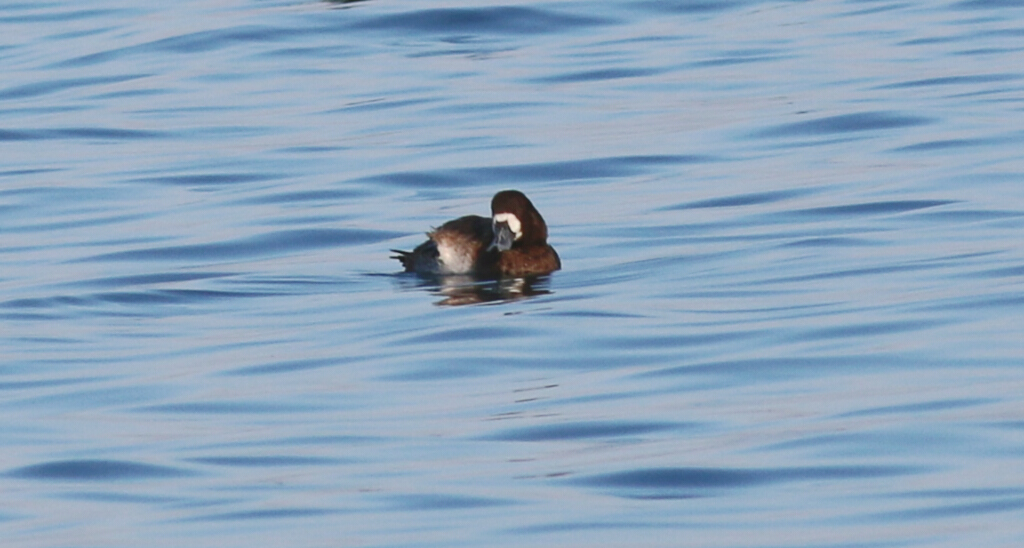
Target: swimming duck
513,243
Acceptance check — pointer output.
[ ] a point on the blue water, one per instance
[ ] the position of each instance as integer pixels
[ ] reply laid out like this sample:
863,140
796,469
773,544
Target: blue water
789,315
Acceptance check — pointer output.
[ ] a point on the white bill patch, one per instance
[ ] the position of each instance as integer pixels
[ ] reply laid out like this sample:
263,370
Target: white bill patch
512,221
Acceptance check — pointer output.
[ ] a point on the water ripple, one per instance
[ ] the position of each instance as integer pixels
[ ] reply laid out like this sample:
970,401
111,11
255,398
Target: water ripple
512,20
683,483
953,80
844,123
583,430
271,244
95,470
37,89
87,133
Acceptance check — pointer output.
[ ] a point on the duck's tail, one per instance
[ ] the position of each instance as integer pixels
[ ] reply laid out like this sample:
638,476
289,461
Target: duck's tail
406,258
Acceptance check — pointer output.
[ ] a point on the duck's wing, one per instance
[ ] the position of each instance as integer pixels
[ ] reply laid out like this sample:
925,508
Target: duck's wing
472,228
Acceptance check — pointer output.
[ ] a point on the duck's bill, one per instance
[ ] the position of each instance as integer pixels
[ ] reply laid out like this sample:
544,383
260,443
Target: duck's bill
503,237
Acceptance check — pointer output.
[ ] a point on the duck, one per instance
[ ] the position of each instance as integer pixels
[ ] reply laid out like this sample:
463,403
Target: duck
512,243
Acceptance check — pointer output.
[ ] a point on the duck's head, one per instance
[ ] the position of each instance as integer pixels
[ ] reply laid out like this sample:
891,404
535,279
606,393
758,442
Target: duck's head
516,221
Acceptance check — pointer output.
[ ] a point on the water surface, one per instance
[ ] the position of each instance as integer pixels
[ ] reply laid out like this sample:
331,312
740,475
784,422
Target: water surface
789,313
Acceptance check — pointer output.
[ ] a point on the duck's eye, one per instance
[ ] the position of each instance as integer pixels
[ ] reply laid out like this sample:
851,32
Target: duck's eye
512,221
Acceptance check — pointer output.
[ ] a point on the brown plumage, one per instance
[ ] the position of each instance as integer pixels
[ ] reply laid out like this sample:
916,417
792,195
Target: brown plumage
512,243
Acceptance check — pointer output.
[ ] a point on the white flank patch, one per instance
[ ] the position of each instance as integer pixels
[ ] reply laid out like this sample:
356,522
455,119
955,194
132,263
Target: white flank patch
513,223
451,261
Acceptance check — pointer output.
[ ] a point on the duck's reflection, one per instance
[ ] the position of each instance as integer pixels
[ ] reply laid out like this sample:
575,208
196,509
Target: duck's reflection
343,3
463,290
